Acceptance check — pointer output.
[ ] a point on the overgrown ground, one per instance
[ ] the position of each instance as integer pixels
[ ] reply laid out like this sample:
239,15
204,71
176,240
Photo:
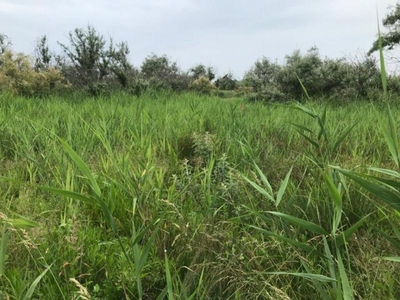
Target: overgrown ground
190,197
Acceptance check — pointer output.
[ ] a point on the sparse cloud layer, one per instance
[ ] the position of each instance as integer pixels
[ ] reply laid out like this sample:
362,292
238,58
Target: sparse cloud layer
229,35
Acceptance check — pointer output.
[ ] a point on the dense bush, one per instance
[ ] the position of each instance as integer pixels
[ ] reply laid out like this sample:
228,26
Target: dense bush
162,73
202,70
92,63
18,76
202,85
226,83
346,79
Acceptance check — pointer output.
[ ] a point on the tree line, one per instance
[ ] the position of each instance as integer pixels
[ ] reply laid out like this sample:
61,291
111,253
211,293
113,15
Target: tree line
92,64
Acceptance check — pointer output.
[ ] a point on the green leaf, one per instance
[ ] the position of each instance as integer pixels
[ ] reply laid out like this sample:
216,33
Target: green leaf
82,166
337,200
382,62
301,127
391,141
310,226
70,194
5,236
312,142
331,263
342,137
32,288
169,279
395,259
393,241
305,247
305,109
144,231
282,188
324,295
259,189
386,172
145,253
263,179
307,276
347,291
303,87
344,237
383,193
321,122
22,223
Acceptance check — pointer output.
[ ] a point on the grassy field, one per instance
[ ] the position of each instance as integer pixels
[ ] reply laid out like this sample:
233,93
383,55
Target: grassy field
192,197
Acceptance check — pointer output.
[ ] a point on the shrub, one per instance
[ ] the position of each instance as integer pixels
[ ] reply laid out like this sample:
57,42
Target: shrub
262,74
244,90
202,85
18,76
226,83
93,63
161,73
202,70
307,68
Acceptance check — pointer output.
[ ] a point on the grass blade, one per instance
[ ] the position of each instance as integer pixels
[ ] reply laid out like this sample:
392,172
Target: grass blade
259,189
305,247
347,291
32,288
324,295
337,200
381,192
342,137
395,259
331,263
282,188
307,276
382,63
5,236
344,237
169,279
264,179
82,166
303,87
310,226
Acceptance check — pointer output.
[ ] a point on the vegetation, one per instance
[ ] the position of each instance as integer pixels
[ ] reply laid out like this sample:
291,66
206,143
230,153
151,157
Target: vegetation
244,203
146,193
391,39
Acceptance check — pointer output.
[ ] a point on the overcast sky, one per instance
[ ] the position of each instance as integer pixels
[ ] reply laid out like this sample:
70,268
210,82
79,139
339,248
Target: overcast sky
229,35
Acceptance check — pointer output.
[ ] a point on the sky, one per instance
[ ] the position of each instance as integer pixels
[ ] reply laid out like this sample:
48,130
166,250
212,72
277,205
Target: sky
227,35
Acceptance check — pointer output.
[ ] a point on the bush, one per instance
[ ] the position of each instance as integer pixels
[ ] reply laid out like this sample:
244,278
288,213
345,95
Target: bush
226,83
307,68
161,73
202,70
262,75
346,79
93,64
202,85
18,76
244,90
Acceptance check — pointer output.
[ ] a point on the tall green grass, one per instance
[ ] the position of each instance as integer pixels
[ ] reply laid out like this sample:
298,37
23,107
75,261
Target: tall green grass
182,196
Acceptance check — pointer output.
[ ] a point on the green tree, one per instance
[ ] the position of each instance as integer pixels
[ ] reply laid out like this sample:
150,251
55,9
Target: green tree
391,38
93,62
262,75
162,73
18,76
201,85
43,56
226,83
5,43
202,70
307,67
